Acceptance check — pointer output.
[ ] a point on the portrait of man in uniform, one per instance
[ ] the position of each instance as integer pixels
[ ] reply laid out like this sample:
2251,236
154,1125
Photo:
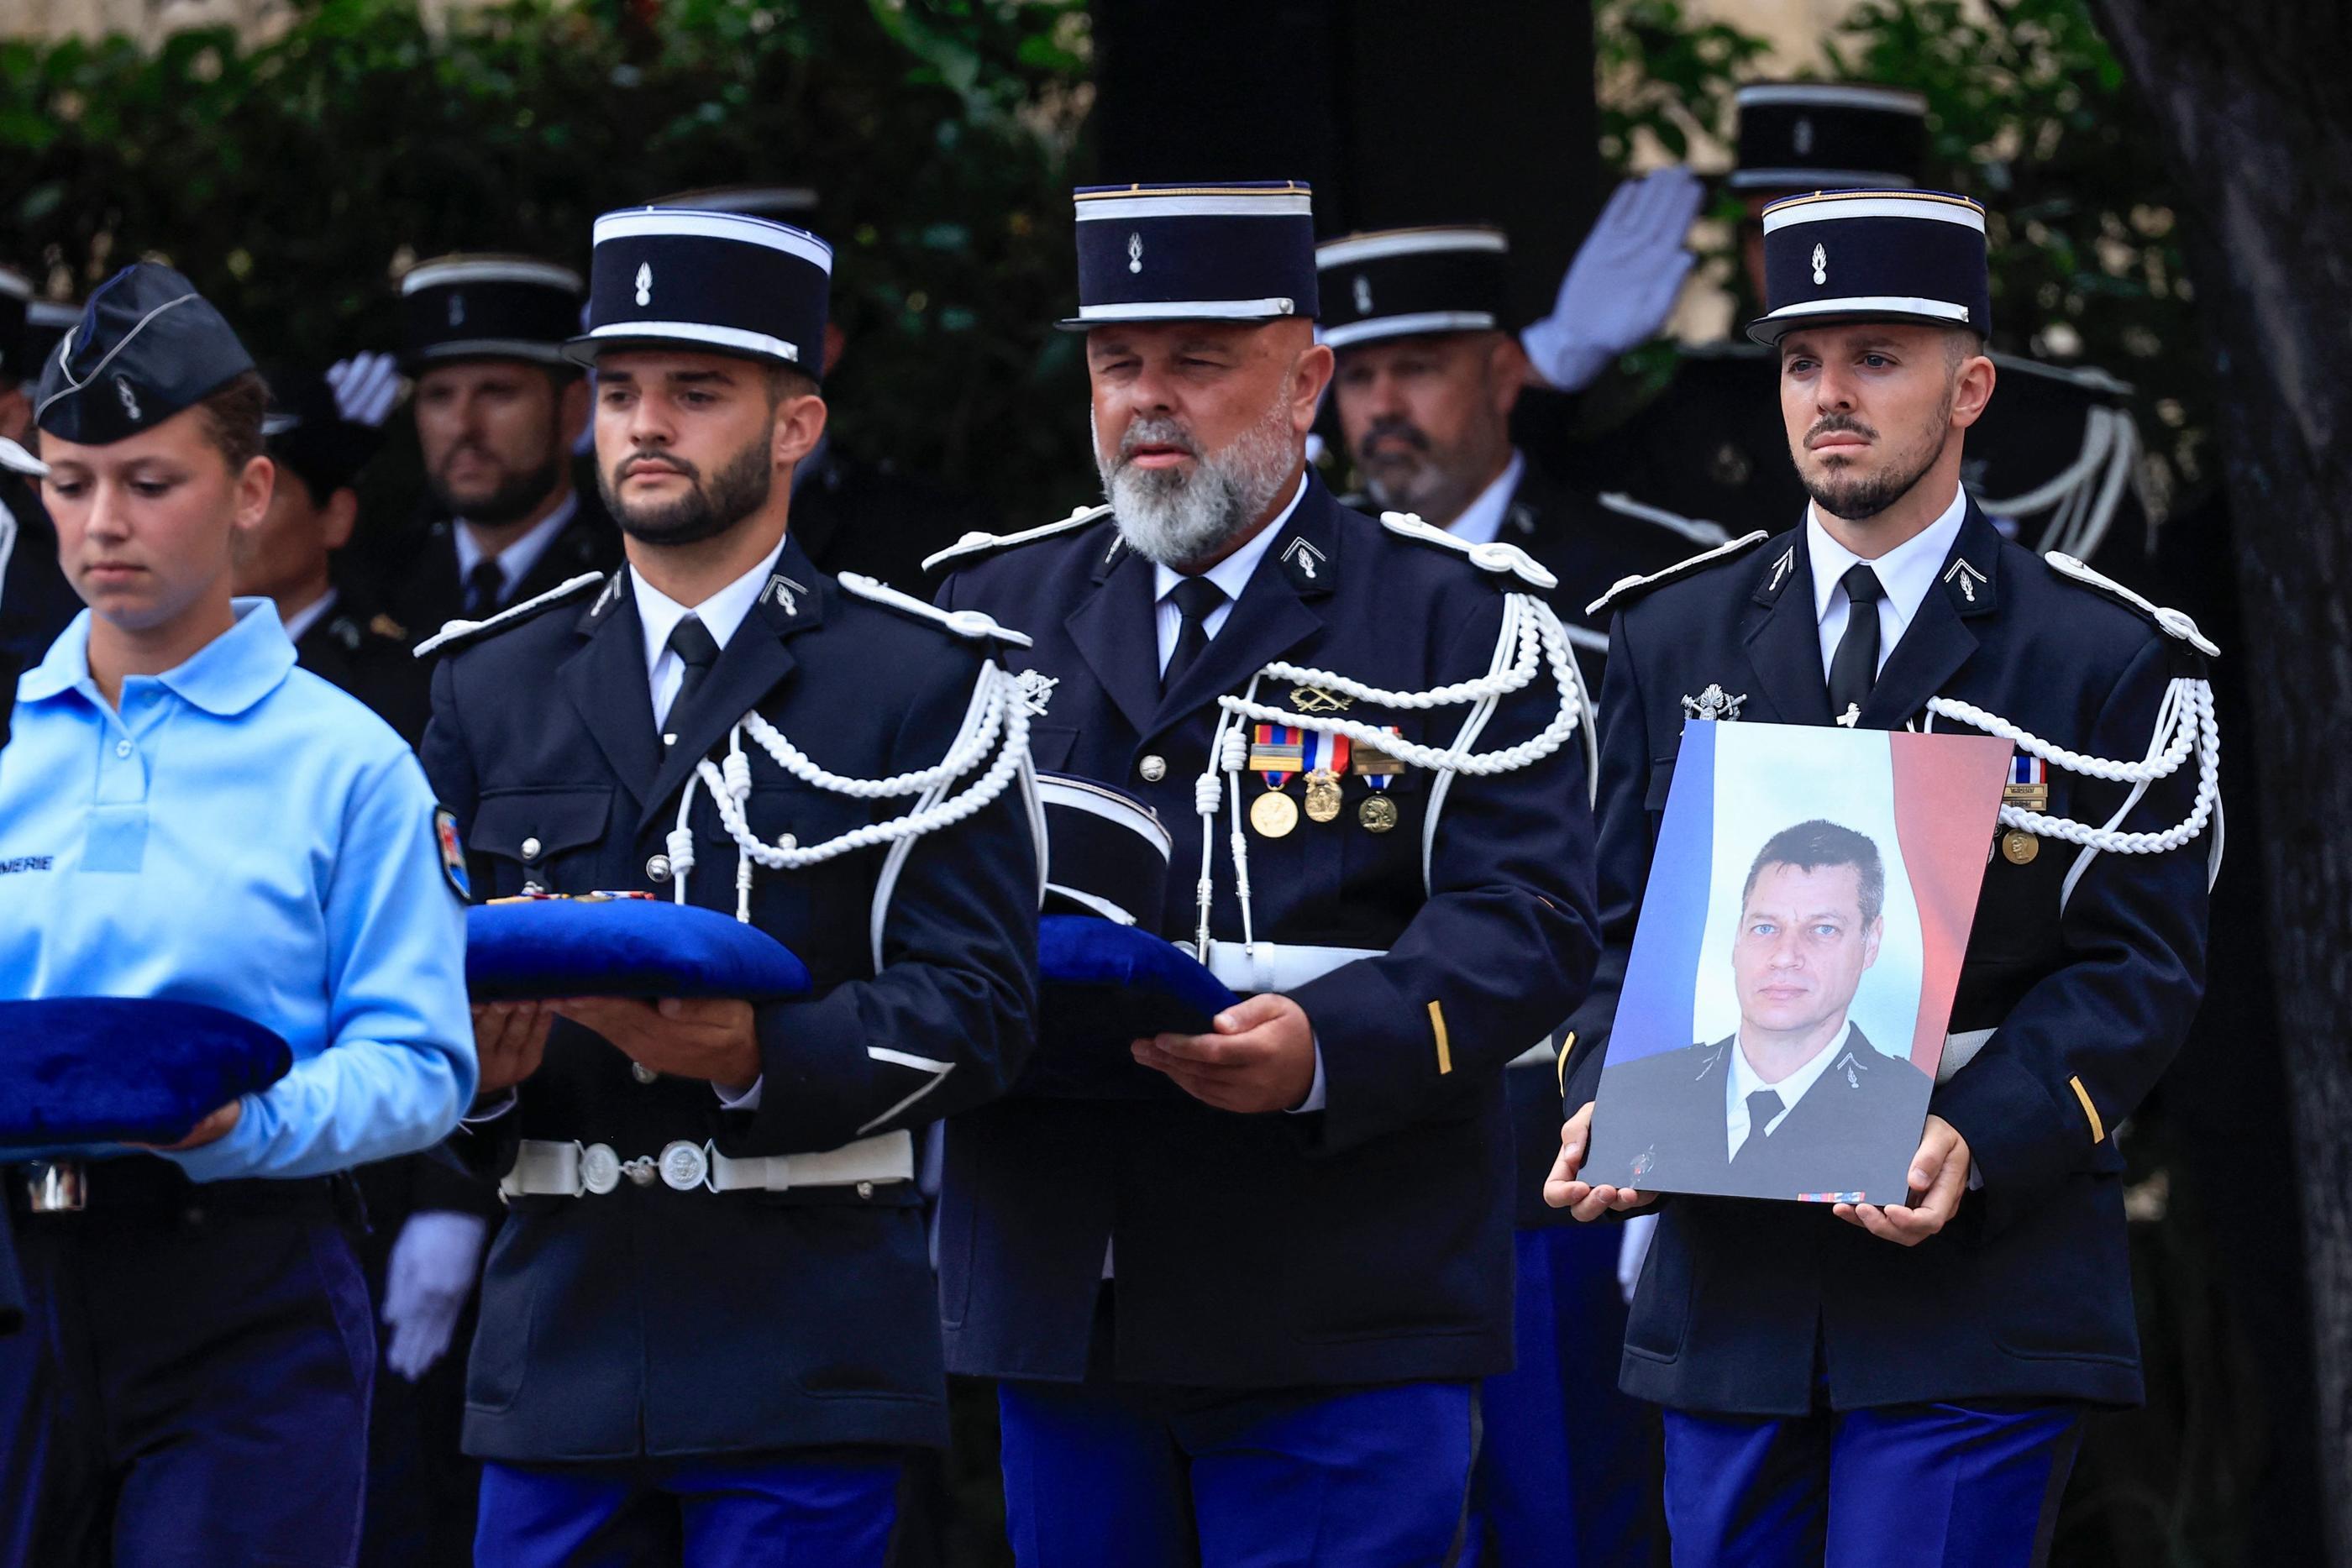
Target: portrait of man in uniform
1806,1029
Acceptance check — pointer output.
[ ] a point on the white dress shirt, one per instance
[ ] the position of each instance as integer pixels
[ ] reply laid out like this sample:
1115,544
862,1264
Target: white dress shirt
1906,573
516,560
1481,522
1232,574
1743,1081
722,615
309,615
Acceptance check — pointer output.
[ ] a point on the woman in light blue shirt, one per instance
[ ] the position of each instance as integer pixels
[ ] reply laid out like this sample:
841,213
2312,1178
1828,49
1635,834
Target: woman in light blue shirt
187,816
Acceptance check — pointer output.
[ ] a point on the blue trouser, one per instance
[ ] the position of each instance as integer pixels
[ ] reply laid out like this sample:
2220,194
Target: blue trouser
1565,1474
700,1513
1905,1486
1123,1475
185,1394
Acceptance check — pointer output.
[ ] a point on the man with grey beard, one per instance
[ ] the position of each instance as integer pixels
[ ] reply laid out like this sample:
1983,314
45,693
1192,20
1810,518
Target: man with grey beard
1241,1293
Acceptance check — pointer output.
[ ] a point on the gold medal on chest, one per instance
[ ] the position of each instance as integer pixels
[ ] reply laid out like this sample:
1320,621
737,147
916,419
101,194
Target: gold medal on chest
1273,814
1378,813
1322,795
2018,847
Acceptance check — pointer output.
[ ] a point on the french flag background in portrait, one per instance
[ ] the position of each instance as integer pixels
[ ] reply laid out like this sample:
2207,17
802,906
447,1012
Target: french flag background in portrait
1928,801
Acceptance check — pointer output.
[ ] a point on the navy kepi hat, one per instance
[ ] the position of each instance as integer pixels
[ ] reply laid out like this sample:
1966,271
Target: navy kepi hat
1241,252
724,283
1873,256
1811,135
1403,283
487,307
146,347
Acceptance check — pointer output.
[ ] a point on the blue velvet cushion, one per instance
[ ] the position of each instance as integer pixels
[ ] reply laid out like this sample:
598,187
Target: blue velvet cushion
92,1070
622,947
1107,984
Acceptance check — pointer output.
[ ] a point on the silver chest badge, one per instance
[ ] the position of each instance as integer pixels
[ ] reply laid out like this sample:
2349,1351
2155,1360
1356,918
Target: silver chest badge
1036,689
1714,703
1821,265
644,284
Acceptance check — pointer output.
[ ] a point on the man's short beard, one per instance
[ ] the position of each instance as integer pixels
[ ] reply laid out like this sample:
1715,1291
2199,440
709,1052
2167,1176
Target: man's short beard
1175,518
1864,498
739,489
516,498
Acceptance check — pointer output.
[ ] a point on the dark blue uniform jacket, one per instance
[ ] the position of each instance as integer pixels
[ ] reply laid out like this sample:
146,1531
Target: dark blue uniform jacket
2028,1294
652,1321
1369,1241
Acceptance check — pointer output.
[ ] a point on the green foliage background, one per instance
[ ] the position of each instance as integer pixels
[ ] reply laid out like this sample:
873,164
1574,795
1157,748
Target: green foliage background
294,179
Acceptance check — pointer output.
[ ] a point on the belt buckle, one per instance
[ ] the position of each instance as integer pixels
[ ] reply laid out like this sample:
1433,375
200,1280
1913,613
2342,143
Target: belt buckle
57,1186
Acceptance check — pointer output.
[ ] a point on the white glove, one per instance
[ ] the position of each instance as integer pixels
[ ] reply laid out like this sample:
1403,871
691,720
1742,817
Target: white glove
365,388
1622,285
433,1269
1631,1250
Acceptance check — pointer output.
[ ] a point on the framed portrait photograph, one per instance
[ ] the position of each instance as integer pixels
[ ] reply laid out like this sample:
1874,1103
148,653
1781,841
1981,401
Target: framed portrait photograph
1792,972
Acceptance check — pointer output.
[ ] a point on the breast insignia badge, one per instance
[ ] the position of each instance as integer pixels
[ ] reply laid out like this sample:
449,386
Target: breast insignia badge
1714,703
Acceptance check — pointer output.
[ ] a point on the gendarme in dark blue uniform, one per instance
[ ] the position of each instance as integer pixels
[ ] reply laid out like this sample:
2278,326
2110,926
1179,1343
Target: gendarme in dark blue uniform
658,1356
1819,1378
1225,1331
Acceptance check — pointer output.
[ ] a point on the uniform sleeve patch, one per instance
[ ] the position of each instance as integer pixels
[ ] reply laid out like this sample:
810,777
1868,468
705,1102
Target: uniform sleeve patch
453,853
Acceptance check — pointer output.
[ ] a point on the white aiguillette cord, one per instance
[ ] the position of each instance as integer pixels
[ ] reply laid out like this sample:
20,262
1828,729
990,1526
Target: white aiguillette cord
1531,638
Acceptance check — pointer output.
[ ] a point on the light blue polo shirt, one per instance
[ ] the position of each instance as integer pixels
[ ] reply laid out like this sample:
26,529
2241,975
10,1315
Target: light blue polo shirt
245,835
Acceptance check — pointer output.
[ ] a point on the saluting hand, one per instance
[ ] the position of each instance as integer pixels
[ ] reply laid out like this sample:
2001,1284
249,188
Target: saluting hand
1261,1058
1940,1171
1582,1200
710,1038
509,1040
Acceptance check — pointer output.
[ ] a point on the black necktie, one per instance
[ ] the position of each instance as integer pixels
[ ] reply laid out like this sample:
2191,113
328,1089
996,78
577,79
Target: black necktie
1853,668
697,650
1762,1106
1196,599
485,586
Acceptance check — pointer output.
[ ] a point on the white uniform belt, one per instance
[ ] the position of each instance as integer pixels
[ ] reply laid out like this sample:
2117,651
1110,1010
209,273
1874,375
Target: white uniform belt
1253,967
544,1168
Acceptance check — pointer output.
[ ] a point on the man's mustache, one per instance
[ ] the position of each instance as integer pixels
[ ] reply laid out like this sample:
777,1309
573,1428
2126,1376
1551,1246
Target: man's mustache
1838,423
1395,429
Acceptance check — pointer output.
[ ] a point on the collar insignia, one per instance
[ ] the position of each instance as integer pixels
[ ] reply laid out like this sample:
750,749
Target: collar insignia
1964,577
785,593
1305,560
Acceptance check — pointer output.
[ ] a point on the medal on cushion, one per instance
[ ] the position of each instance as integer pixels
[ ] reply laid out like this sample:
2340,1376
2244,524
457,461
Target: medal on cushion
1325,758
1275,752
1379,770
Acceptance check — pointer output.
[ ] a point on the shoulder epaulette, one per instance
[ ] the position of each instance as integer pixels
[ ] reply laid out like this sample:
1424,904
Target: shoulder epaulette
969,623
978,543
1628,588
454,632
1696,530
1494,556
2171,623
